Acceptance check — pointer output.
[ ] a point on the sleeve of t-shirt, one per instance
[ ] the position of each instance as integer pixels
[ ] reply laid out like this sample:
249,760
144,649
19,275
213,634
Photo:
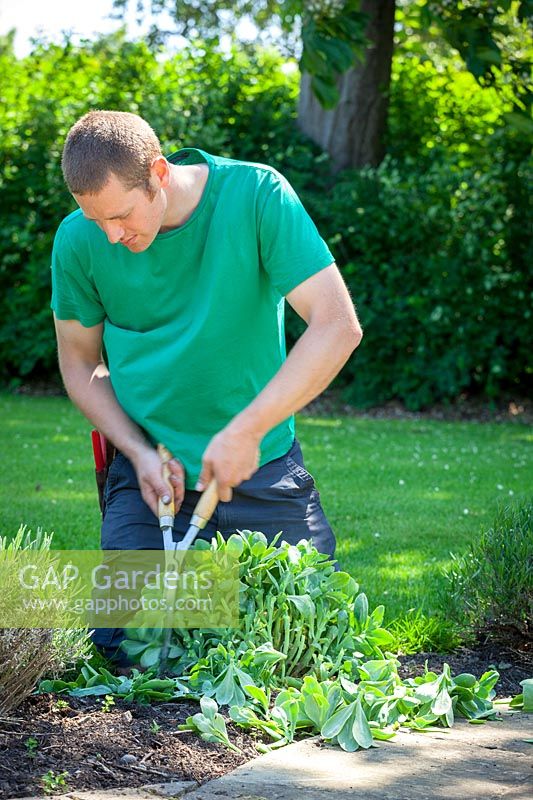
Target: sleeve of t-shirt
291,247
74,295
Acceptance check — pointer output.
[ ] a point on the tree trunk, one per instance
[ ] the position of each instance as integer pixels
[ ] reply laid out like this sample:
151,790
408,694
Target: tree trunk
353,132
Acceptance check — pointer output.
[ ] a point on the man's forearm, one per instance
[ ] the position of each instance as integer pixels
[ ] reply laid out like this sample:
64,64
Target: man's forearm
316,358
91,391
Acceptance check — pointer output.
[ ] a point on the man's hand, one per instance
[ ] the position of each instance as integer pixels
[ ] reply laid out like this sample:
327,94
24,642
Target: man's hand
232,456
149,471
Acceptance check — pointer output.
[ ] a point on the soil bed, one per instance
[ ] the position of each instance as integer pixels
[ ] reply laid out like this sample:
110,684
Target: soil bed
514,662
505,408
108,749
464,409
124,746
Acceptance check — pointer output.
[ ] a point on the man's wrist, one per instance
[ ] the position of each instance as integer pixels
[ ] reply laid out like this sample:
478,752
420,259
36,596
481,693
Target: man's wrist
249,423
136,450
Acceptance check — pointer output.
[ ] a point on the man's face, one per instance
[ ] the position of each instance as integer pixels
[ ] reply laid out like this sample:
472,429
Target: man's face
129,217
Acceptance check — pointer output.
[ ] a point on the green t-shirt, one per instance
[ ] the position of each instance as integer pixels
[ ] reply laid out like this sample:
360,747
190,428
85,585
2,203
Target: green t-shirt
194,325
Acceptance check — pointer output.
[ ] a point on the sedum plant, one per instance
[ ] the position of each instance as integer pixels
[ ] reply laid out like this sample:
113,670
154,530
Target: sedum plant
309,657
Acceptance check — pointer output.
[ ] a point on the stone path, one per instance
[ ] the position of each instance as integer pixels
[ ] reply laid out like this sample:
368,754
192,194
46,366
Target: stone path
468,762
478,762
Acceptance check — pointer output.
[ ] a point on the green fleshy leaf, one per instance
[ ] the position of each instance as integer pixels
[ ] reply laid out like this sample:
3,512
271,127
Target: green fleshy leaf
304,604
360,608
258,694
360,728
442,703
90,691
335,723
151,657
209,707
465,679
527,694
345,737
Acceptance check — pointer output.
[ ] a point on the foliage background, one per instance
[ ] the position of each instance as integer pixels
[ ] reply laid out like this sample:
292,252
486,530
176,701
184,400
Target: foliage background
434,243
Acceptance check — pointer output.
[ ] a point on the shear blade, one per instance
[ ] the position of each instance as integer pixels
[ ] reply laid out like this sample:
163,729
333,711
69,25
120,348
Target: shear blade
168,540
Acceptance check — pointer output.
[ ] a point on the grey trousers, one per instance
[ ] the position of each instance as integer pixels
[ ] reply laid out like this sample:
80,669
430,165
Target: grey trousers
280,496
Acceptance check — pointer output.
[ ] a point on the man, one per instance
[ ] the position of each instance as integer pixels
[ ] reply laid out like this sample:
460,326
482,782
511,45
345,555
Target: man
180,268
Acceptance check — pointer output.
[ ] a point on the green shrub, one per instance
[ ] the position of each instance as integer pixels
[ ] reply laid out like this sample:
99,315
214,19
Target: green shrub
29,654
491,586
439,283
439,108
433,243
240,105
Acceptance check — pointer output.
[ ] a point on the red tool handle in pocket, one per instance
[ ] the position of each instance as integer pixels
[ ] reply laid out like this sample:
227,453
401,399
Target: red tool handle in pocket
99,450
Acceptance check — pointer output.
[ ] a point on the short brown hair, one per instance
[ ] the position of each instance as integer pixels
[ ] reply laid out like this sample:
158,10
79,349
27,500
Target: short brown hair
102,142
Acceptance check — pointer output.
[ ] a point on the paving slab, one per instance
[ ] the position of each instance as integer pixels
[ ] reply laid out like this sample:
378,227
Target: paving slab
153,791
478,762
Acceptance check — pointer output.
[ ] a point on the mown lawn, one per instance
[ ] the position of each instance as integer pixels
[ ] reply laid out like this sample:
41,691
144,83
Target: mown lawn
400,494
